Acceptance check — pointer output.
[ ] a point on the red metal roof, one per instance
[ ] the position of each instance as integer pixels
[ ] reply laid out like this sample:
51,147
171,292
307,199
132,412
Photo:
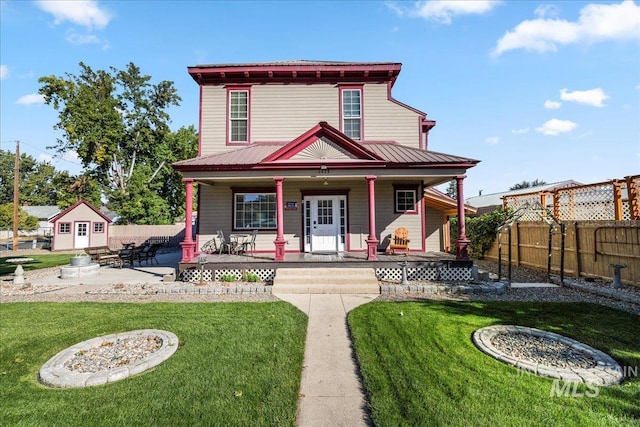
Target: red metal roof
253,157
401,154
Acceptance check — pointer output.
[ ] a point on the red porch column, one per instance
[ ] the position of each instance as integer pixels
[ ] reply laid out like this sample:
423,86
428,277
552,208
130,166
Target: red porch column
462,243
372,242
279,242
188,244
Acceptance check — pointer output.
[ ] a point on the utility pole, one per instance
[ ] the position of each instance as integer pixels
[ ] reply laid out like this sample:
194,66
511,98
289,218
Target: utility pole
16,197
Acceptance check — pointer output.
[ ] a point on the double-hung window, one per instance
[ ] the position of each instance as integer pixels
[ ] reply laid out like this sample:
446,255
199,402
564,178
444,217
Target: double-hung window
254,211
406,199
351,107
238,101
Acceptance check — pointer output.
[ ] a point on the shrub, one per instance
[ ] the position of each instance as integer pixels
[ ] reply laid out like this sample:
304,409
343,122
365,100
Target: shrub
228,278
250,277
481,231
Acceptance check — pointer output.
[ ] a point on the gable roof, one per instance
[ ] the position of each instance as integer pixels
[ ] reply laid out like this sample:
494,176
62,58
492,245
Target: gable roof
75,205
323,136
322,144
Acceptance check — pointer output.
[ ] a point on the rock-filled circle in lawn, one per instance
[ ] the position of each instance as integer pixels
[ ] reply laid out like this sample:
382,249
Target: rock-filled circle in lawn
548,354
108,358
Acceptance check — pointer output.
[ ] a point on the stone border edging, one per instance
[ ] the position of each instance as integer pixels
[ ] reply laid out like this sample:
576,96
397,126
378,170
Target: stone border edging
54,374
611,293
606,372
497,288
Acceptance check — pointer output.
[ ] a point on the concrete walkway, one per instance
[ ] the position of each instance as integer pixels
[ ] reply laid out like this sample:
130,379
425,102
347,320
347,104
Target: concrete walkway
331,390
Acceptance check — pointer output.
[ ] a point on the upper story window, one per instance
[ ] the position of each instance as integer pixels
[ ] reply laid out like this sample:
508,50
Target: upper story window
351,109
238,128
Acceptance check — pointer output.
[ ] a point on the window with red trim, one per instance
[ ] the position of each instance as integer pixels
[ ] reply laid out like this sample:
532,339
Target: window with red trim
238,112
64,227
98,227
351,112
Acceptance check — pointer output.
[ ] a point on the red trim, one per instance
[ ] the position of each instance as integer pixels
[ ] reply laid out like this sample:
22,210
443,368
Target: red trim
93,227
238,88
200,124
299,73
64,232
359,87
319,192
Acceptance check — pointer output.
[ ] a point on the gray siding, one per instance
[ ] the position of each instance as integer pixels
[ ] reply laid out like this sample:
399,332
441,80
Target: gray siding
385,120
434,230
282,113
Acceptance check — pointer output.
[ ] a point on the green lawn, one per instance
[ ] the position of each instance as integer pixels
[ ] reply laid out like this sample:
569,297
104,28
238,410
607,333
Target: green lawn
421,368
238,364
39,261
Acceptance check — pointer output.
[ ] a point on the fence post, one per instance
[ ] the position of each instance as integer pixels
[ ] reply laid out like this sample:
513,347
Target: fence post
577,242
617,200
634,197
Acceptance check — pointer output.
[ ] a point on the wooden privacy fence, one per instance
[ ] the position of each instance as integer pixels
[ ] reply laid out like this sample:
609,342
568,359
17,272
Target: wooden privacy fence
617,200
590,248
170,235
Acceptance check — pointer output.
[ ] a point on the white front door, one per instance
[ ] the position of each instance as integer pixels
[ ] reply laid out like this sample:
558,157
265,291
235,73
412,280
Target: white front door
82,235
324,223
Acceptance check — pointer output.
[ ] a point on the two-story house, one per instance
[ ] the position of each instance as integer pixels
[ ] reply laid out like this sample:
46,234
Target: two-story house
316,156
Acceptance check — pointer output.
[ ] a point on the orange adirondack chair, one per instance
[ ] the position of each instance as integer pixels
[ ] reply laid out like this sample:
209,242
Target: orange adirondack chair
400,241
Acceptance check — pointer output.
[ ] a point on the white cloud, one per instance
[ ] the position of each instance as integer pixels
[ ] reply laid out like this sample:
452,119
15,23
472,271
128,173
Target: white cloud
443,11
78,39
82,12
493,140
71,156
520,131
555,127
597,22
547,10
552,105
593,97
4,72
32,98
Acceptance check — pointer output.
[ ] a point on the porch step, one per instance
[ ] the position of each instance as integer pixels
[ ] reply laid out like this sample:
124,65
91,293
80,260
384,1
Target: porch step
325,281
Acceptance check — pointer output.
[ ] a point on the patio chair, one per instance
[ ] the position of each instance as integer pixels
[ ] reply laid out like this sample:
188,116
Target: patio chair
225,245
130,256
148,253
251,243
400,241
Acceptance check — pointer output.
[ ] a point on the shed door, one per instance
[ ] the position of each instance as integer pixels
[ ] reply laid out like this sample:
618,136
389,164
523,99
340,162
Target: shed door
81,235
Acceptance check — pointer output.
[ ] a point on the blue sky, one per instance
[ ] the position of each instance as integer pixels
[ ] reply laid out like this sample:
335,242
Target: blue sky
535,90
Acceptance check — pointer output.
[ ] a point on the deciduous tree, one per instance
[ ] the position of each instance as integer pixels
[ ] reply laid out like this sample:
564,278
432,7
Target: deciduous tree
117,122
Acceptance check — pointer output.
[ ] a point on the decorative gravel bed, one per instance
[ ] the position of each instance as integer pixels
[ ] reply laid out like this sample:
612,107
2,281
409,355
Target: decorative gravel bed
548,354
542,350
114,354
108,358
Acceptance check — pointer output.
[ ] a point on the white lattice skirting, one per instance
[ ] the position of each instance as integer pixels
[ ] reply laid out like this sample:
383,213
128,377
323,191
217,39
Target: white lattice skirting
431,274
193,275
